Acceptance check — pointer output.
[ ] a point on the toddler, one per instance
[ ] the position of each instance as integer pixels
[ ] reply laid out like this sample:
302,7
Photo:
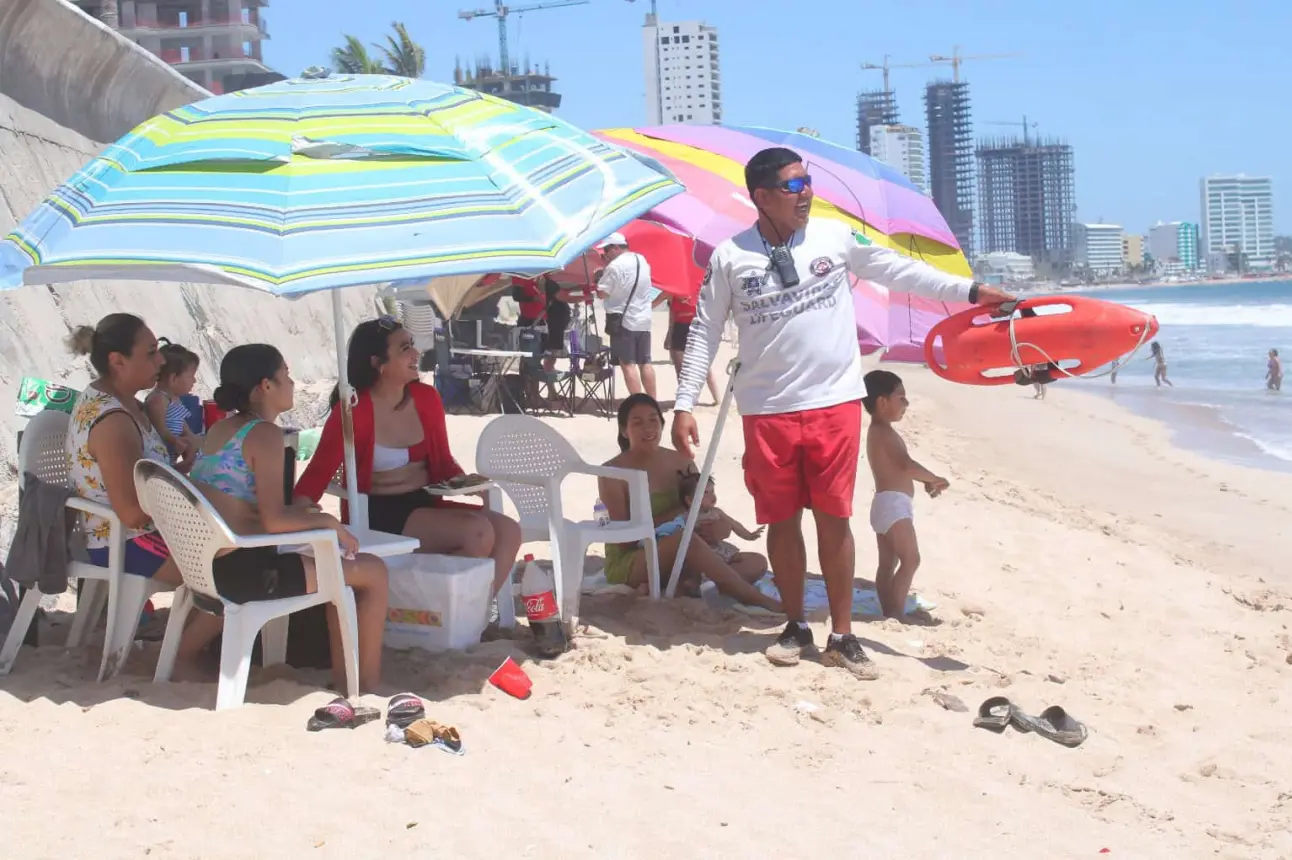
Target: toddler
169,415
892,512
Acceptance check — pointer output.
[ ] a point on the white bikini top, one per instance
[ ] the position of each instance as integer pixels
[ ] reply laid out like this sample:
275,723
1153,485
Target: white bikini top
386,459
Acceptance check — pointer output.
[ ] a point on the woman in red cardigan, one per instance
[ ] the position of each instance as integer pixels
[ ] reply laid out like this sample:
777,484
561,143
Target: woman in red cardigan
401,446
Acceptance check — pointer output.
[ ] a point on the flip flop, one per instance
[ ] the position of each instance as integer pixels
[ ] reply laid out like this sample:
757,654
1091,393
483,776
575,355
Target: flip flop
424,732
340,714
403,710
994,714
1053,723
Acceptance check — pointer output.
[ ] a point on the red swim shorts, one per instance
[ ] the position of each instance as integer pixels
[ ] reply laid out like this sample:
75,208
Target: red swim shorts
799,460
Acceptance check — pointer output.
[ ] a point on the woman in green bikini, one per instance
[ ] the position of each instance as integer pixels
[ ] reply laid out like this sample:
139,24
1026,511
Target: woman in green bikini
641,426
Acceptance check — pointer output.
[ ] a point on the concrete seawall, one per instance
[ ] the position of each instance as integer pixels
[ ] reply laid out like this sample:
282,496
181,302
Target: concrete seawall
68,86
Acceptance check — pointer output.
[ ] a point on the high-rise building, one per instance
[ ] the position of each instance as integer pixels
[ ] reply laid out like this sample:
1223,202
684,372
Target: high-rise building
1238,219
1174,247
683,80
1097,248
874,108
951,161
526,85
213,43
1026,201
902,147
1132,250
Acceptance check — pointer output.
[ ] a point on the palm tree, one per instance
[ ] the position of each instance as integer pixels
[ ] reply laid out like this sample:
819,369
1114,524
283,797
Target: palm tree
404,57
353,59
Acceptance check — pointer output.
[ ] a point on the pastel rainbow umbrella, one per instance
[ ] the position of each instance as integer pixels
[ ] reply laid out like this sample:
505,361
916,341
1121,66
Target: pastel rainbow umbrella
866,194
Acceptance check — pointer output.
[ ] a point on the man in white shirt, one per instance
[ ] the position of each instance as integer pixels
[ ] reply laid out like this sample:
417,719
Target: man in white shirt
625,287
800,385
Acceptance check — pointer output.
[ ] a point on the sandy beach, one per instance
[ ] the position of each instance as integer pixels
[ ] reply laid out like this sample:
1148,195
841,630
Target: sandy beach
1078,559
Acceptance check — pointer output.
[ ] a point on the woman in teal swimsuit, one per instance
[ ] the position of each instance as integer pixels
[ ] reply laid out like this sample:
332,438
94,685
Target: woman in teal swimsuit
241,471
641,426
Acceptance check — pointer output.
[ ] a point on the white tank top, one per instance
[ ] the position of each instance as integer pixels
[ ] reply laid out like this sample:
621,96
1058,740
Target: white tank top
387,459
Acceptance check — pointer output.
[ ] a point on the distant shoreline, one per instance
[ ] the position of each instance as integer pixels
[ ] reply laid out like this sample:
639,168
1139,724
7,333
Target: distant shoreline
1223,282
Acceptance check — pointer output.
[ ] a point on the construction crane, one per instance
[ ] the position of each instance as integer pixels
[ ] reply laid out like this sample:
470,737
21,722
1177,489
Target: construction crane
654,16
957,58
501,11
1025,124
886,65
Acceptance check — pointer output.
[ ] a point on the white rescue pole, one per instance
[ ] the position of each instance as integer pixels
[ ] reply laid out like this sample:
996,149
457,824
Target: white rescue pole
710,455
347,416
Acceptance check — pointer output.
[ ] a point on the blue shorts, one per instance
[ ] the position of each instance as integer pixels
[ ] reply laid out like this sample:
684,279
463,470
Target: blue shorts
144,555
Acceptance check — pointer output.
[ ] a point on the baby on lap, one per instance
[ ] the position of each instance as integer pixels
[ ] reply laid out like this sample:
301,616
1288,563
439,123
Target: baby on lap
714,526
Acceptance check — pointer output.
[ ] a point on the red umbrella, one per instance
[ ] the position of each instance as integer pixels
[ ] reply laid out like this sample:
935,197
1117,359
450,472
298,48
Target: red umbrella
671,255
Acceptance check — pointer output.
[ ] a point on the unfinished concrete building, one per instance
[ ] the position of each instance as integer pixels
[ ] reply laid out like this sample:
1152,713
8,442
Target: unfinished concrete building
213,43
1026,199
526,85
874,108
951,158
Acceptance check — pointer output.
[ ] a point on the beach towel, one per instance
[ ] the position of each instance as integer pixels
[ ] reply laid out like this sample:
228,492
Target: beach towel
865,601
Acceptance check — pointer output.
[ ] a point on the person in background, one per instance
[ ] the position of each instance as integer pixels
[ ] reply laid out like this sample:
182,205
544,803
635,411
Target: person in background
166,410
624,285
785,280
401,446
681,313
1274,372
544,302
109,432
241,472
1159,371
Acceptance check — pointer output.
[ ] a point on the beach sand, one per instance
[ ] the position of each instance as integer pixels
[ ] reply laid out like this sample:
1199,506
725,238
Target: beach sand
1077,559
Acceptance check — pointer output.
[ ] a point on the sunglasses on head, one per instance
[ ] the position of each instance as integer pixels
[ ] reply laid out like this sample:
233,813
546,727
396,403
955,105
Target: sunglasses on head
387,322
795,185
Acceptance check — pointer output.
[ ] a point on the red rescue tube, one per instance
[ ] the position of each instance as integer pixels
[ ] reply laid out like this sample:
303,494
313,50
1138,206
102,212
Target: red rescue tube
974,346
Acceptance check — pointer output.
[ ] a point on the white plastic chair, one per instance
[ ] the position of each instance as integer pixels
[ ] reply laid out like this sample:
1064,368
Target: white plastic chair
195,533
530,460
43,454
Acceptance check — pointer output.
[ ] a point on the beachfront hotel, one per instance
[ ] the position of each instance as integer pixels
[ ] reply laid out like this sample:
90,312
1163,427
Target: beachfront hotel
1098,248
213,43
683,81
1238,222
902,147
1174,247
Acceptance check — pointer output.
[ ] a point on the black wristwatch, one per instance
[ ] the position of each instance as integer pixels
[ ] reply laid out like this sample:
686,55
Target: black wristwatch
973,293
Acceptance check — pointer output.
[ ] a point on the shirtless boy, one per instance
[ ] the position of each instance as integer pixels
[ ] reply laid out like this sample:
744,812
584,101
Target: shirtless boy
892,511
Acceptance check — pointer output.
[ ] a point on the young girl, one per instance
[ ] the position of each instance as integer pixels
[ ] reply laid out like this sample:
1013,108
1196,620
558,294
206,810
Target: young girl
169,415
1159,372
892,512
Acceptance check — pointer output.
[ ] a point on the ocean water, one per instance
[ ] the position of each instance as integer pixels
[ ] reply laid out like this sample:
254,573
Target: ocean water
1217,339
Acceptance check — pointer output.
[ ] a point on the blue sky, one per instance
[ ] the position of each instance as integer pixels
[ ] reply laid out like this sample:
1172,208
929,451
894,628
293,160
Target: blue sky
1152,94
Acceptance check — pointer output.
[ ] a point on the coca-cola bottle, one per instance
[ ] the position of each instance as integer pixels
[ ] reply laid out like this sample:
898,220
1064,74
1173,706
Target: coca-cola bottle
539,593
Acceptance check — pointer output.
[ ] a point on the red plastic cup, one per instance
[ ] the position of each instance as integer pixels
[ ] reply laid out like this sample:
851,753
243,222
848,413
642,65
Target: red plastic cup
511,679
211,414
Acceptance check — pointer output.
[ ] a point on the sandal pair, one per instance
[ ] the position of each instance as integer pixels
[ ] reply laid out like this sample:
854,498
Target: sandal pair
1053,723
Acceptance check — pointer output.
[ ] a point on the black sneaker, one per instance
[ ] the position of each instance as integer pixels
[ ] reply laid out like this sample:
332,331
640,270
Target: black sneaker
846,652
790,645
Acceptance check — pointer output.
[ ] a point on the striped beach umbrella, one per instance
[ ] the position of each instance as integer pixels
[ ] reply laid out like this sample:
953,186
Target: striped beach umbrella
866,194
326,182
312,184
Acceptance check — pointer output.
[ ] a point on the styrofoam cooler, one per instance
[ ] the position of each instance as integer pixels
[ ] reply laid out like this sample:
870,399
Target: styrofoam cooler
437,602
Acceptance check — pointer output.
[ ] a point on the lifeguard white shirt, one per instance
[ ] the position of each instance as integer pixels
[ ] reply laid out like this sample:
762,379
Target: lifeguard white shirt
798,346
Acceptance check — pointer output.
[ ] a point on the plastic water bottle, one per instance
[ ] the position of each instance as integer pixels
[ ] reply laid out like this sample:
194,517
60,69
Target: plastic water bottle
600,514
539,593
